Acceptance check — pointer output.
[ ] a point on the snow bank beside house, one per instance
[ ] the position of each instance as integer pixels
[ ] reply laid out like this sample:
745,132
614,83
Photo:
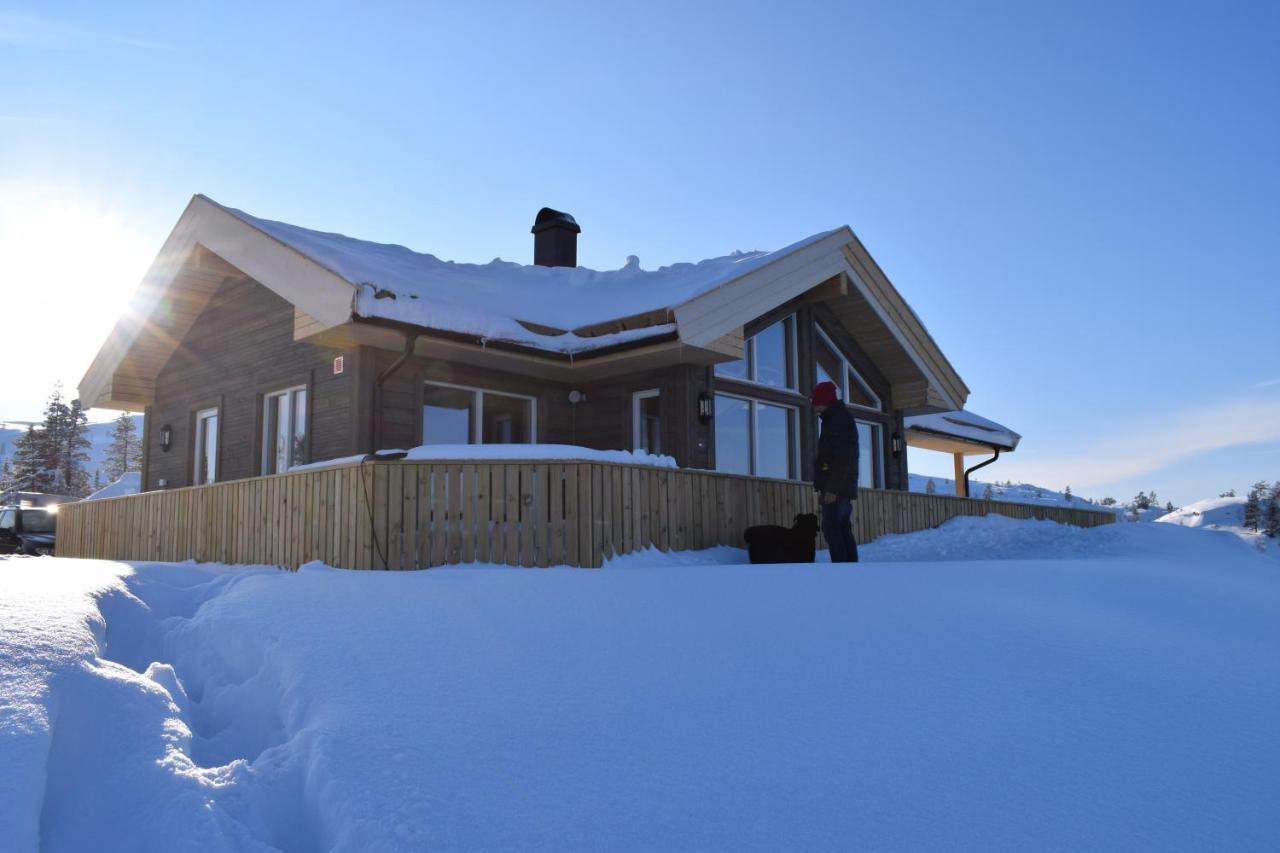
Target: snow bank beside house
128,483
1112,688
489,300
497,452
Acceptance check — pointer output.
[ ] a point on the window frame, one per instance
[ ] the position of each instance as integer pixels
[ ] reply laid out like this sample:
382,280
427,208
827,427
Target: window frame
749,356
199,435
636,432
268,450
822,336
753,429
477,410
877,452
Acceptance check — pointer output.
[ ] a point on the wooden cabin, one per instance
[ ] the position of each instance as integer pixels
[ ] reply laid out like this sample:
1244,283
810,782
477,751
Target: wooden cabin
256,346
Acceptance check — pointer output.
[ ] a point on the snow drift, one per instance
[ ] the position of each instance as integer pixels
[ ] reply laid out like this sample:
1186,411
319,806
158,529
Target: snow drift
1111,688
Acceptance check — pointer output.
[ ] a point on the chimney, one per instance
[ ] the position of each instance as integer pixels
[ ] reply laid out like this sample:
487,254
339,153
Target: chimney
555,239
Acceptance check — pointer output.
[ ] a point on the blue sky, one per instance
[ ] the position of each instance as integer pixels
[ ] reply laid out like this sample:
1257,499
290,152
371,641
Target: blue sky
1081,201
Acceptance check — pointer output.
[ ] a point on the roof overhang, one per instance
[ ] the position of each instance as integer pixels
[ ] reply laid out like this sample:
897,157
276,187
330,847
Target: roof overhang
839,271
205,248
928,440
960,432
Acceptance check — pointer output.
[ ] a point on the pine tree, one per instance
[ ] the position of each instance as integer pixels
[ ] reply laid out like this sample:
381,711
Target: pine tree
66,426
1253,504
1229,493
1272,515
1168,507
74,447
125,452
987,493
1141,501
53,456
1108,501
930,487
30,453
1066,493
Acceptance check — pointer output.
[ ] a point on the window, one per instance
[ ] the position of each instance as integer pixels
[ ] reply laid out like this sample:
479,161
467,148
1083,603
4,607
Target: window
448,415
775,440
452,414
870,475
284,430
769,357
7,520
205,462
830,365
646,421
755,437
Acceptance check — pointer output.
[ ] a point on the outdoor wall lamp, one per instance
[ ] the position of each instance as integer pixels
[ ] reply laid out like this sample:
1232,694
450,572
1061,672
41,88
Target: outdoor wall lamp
166,438
705,408
897,444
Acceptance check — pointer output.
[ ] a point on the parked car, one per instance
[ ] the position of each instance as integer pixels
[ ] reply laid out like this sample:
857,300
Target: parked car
27,530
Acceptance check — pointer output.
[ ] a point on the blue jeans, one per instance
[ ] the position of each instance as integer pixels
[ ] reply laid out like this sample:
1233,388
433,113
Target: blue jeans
837,528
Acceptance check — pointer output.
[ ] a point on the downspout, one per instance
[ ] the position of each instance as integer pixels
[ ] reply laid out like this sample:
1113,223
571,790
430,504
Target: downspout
375,414
976,467
375,422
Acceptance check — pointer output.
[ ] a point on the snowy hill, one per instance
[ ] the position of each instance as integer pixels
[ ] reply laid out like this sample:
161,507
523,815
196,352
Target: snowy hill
991,685
128,483
1226,514
99,439
1015,493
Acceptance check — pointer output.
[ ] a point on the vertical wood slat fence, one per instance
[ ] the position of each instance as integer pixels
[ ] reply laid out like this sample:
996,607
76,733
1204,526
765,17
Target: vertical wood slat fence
405,515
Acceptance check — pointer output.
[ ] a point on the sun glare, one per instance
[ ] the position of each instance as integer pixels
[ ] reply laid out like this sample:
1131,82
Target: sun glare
67,269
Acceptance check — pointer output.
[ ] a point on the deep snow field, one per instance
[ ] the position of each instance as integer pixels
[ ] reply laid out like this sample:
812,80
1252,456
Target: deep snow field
988,685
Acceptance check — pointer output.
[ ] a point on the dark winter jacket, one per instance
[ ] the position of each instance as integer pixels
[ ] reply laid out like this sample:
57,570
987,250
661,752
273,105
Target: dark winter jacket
835,468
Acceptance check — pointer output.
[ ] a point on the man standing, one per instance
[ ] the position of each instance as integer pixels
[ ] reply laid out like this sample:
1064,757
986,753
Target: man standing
835,472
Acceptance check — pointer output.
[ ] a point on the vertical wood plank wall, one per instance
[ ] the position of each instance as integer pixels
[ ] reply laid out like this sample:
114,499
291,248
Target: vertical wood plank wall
406,515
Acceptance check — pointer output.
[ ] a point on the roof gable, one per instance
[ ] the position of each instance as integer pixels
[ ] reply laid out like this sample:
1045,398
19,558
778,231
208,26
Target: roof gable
332,280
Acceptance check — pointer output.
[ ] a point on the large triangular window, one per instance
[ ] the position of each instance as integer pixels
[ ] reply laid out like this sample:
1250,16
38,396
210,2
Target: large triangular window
831,365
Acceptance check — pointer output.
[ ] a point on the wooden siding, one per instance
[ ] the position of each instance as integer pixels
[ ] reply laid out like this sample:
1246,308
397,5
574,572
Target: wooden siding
240,348
406,515
602,421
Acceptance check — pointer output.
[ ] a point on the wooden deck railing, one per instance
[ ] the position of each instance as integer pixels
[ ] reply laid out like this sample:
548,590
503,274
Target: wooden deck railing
404,515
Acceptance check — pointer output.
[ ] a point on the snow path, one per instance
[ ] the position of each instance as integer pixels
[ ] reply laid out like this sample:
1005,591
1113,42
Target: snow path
1114,688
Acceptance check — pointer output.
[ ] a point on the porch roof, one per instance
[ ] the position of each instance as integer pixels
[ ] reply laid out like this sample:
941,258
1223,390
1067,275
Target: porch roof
959,432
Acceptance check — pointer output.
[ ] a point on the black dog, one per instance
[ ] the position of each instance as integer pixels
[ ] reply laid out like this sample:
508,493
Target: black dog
771,543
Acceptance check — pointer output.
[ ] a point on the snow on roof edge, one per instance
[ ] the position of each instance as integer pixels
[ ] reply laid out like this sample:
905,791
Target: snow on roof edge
965,425
394,282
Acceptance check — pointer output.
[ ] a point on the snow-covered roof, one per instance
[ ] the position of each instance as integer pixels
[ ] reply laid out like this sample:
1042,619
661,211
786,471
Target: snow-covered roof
491,300
341,288
966,426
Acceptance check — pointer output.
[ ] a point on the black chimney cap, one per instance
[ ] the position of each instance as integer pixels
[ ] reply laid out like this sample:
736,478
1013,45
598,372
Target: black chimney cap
548,218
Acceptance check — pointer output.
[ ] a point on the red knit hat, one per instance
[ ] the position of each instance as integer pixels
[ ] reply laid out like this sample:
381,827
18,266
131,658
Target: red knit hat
824,394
